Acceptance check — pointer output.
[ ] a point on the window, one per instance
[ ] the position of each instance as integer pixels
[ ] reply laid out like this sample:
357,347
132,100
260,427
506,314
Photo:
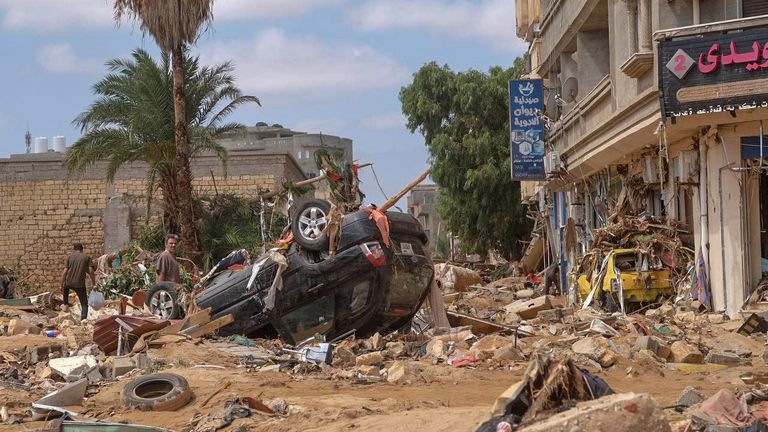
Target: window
360,294
750,8
299,154
316,317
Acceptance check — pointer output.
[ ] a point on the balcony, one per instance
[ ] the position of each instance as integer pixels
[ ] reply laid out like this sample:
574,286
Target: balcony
562,20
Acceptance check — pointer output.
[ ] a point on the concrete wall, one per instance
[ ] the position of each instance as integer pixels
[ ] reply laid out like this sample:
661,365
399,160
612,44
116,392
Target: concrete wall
43,211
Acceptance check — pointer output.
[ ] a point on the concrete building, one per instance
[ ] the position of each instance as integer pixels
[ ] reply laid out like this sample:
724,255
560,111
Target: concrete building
263,138
666,95
422,204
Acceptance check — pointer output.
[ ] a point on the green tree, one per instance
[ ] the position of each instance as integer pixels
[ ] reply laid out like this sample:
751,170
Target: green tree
173,25
133,119
464,118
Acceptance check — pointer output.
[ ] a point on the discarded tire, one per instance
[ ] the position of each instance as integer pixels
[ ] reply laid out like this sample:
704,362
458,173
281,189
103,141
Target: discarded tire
157,392
309,223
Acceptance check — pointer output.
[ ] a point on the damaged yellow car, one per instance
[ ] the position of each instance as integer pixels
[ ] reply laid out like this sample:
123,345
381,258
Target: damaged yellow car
628,276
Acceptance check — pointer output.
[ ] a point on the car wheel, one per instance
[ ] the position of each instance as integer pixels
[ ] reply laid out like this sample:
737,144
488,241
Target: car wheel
157,392
309,222
162,301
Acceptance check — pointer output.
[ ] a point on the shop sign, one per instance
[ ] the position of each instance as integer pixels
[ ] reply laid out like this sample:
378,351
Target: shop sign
526,129
723,72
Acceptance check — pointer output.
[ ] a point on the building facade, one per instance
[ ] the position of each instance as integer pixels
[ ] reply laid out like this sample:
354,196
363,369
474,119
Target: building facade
422,204
663,100
44,210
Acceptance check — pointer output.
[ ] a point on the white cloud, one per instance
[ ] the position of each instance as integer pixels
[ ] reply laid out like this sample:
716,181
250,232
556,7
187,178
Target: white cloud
61,58
390,120
274,63
40,16
491,21
232,10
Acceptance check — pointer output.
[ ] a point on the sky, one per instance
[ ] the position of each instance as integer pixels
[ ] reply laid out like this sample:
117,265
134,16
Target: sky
330,66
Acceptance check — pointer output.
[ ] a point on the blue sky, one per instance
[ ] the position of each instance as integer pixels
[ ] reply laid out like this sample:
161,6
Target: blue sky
331,66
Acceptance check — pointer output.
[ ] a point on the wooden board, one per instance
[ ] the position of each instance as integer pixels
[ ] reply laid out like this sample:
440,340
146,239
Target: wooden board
204,329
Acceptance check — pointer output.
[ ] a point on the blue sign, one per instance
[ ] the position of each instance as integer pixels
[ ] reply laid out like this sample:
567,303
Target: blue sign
526,129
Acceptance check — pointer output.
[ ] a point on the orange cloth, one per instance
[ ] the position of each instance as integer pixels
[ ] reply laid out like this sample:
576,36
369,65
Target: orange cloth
381,222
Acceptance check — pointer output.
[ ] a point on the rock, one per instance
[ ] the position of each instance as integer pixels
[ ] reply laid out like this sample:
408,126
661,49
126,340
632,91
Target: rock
528,309
436,348
369,359
646,343
369,370
690,396
395,350
715,318
626,412
487,346
456,279
595,348
645,357
343,357
20,327
653,313
44,373
667,310
72,368
683,352
685,317
511,318
402,373
35,354
554,315
508,352
279,406
524,293
663,351
122,365
377,342
724,358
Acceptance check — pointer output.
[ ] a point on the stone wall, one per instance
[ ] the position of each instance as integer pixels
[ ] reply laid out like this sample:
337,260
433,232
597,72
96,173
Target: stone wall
43,211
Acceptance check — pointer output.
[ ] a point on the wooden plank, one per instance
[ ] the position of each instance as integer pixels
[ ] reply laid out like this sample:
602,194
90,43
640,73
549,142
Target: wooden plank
195,319
210,327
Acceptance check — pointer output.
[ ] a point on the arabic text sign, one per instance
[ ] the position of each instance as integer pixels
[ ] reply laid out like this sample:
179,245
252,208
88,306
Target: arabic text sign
714,73
526,129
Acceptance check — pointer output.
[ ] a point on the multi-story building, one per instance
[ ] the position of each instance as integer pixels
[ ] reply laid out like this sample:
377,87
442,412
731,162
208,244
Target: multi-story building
667,97
266,139
422,204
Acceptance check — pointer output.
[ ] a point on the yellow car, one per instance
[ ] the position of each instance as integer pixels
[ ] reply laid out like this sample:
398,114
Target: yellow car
639,276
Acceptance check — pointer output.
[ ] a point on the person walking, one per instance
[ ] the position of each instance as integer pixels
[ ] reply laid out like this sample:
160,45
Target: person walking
78,265
167,266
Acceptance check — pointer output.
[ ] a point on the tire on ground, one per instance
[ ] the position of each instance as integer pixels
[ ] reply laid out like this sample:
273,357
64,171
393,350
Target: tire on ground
304,219
170,288
157,392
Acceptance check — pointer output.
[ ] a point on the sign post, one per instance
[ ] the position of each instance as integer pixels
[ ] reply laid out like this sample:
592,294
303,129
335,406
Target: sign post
526,129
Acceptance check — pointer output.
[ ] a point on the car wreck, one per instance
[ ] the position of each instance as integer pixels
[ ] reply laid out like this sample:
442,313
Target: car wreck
331,274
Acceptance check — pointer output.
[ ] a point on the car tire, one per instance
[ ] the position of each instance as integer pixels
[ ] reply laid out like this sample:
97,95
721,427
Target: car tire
308,225
162,301
157,392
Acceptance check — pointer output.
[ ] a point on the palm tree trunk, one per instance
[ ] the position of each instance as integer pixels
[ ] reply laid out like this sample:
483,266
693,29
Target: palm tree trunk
183,174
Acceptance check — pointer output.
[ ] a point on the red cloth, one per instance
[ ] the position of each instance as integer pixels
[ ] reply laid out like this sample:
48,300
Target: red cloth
381,222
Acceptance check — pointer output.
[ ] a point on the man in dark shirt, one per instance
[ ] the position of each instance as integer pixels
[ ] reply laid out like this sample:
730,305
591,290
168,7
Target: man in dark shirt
78,265
167,266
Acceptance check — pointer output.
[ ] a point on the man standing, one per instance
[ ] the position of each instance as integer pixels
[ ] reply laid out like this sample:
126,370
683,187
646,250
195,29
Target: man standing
167,266
78,265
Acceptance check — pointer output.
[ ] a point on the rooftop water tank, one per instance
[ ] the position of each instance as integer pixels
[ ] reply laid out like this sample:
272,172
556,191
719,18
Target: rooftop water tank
59,144
41,145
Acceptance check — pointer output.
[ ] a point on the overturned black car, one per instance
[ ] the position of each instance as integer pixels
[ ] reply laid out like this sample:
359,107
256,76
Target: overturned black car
375,281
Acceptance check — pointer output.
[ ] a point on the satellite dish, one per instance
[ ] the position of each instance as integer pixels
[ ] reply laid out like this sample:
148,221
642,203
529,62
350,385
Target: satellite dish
570,90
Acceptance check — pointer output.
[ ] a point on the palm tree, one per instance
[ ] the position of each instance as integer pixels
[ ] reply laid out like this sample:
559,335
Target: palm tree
133,119
174,24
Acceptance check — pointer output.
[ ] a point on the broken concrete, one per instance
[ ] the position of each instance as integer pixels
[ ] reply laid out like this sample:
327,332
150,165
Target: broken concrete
370,359
72,368
689,397
597,349
528,309
402,372
626,412
684,352
725,358
19,327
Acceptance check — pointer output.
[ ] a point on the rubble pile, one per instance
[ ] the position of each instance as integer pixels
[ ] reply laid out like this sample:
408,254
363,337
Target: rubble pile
565,368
